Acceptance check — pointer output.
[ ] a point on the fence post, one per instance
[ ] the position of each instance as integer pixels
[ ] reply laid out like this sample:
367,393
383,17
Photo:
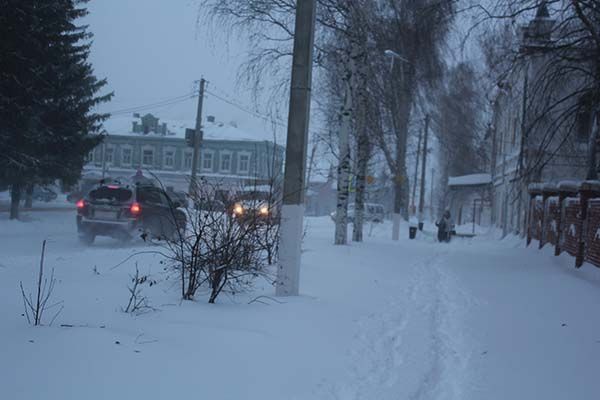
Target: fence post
548,190
566,189
583,198
534,190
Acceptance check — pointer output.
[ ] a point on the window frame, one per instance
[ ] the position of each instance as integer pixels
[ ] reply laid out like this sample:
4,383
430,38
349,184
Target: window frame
212,161
187,153
123,150
173,152
142,158
109,149
241,154
222,154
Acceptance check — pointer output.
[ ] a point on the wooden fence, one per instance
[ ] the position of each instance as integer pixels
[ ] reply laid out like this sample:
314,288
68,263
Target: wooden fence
566,217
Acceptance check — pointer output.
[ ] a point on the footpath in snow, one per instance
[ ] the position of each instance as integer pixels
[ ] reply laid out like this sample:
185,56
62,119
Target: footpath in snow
472,319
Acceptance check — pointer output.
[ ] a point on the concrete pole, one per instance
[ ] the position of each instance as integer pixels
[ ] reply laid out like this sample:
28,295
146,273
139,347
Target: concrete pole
292,211
197,138
423,170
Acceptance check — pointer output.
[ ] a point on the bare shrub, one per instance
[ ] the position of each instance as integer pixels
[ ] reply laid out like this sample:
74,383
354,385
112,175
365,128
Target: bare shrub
219,249
138,303
35,308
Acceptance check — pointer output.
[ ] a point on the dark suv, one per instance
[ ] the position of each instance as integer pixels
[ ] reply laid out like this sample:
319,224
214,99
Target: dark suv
122,211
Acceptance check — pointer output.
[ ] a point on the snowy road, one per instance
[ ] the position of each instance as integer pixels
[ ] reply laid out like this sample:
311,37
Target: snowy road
474,319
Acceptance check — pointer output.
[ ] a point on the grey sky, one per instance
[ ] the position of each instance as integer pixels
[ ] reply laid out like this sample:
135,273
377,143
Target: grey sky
153,49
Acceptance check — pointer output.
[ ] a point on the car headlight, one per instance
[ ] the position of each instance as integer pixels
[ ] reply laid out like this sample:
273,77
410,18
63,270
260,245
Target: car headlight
264,210
238,209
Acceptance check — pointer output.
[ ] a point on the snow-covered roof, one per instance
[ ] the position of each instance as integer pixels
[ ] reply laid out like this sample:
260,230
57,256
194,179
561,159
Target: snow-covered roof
123,126
569,185
591,185
470,180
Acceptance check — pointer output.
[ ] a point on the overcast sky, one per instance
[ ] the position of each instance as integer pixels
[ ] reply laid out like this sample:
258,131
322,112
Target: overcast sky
151,50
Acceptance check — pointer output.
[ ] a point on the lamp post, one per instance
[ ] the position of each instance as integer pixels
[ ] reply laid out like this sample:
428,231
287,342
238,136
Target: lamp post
398,179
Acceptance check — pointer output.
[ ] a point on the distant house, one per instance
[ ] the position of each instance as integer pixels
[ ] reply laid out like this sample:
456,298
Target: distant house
229,155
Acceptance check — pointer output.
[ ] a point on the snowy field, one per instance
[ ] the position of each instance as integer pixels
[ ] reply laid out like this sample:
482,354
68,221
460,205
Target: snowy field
472,319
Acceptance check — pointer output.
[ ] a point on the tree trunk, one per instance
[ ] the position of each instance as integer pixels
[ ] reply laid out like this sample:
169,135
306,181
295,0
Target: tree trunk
29,196
592,167
343,189
15,199
416,177
396,216
361,177
341,215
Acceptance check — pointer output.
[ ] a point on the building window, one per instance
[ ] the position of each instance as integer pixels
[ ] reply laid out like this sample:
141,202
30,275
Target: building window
187,160
207,161
169,158
98,155
244,163
583,118
108,155
225,162
148,157
126,156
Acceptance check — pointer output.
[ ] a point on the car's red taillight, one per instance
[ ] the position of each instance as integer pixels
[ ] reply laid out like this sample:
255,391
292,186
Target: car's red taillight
80,204
135,208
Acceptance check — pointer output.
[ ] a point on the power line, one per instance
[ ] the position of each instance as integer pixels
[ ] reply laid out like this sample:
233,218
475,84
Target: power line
246,110
158,104
276,121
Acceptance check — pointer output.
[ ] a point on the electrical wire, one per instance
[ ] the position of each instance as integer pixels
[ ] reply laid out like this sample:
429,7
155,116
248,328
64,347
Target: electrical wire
158,104
246,110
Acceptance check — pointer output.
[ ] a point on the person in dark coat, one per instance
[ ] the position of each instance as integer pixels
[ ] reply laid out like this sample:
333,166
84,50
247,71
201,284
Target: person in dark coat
444,226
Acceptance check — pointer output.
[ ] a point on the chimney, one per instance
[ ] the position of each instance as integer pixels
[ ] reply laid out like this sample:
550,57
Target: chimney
211,118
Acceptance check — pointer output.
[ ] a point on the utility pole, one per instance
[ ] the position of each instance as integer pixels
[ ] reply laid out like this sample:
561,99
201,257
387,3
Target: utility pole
414,188
197,138
292,211
423,170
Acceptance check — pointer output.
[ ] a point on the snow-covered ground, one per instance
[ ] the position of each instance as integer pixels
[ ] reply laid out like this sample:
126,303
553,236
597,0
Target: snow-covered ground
472,319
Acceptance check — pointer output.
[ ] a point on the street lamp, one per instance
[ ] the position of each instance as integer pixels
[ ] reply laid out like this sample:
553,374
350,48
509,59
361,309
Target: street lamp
392,54
396,213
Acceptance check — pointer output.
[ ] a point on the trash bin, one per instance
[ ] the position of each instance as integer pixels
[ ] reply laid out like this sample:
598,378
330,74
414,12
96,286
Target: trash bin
420,226
412,232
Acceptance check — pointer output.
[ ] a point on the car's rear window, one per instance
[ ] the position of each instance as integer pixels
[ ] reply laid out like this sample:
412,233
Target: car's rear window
111,194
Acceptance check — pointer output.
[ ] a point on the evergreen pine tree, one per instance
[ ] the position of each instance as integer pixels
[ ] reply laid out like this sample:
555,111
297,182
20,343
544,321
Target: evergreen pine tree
48,93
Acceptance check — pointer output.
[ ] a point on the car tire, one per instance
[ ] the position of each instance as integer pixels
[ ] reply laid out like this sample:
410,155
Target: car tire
87,238
152,228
